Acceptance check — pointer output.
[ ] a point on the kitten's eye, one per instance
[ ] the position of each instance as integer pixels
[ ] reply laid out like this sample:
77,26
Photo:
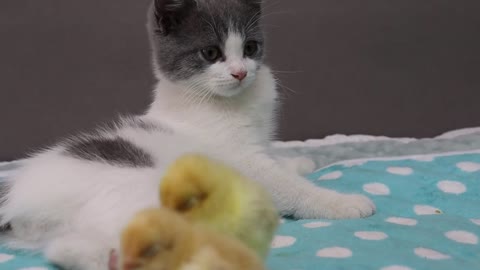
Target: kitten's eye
211,53
251,48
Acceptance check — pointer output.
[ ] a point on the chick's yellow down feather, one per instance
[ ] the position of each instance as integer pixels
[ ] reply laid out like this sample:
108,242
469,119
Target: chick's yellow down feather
210,193
160,239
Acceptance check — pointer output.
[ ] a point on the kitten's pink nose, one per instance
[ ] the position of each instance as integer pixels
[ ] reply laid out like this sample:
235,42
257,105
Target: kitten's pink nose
239,75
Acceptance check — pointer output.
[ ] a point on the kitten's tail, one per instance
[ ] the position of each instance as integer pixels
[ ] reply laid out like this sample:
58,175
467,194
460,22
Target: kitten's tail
4,189
8,237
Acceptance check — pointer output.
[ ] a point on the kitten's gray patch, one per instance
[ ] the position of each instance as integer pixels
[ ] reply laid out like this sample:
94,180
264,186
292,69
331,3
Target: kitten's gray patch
4,190
5,227
115,151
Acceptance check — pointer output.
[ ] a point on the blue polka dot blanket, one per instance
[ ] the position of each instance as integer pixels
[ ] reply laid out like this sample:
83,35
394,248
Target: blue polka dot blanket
428,206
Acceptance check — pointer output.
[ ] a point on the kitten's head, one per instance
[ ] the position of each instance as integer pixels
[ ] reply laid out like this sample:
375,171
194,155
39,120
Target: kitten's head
208,46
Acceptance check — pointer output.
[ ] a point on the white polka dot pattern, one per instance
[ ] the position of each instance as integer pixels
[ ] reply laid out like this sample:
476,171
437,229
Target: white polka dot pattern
469,166
430,254
396,267
462,237
423,210
319,224
452,187
375,236
376,189
400,170
475,221
6,257
402,221
283,241
335,252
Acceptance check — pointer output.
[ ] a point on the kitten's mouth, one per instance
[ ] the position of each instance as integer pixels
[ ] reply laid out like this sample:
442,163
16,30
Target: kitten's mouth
230,89
234,91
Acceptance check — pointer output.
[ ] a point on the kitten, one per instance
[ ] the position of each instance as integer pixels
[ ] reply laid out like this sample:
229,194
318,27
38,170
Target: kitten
214,96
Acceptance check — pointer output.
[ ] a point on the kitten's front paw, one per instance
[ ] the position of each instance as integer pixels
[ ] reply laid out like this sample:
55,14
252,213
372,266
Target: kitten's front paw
350,206
337,206
76,252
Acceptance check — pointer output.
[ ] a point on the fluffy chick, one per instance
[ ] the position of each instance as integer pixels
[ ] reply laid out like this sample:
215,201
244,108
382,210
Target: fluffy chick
160,239
210,193
209,259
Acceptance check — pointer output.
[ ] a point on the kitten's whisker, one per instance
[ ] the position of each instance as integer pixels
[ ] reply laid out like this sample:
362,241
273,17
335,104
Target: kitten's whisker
270,4
196,90
214,23
270,25
287,71
252,20
286,87
211,25
204,97
191,92
210,95
193,97
205,93
274,13
190,86
280,12
259,16
190,96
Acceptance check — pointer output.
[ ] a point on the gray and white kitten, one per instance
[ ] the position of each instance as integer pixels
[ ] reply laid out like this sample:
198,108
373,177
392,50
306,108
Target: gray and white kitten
214,96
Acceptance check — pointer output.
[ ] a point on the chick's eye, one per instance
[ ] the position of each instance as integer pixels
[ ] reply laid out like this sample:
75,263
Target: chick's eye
151,251
191,202
251,48
211,53
187,204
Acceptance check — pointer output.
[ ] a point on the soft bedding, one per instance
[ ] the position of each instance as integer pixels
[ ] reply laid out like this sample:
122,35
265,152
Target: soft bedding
428,218
428,200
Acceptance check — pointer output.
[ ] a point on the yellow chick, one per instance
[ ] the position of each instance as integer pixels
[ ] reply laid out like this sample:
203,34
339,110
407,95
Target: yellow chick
160,239
210,193
208,259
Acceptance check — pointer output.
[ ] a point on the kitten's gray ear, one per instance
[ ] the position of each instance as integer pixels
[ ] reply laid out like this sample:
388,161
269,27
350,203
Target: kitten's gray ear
168,14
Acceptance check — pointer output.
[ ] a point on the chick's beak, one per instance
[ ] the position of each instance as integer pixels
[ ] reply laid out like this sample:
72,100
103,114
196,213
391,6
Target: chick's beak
129,264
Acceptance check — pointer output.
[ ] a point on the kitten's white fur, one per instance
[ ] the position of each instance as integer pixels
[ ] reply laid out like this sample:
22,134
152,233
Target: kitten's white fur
74,209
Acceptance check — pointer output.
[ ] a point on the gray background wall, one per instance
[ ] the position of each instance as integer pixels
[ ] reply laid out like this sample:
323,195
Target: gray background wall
389,67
